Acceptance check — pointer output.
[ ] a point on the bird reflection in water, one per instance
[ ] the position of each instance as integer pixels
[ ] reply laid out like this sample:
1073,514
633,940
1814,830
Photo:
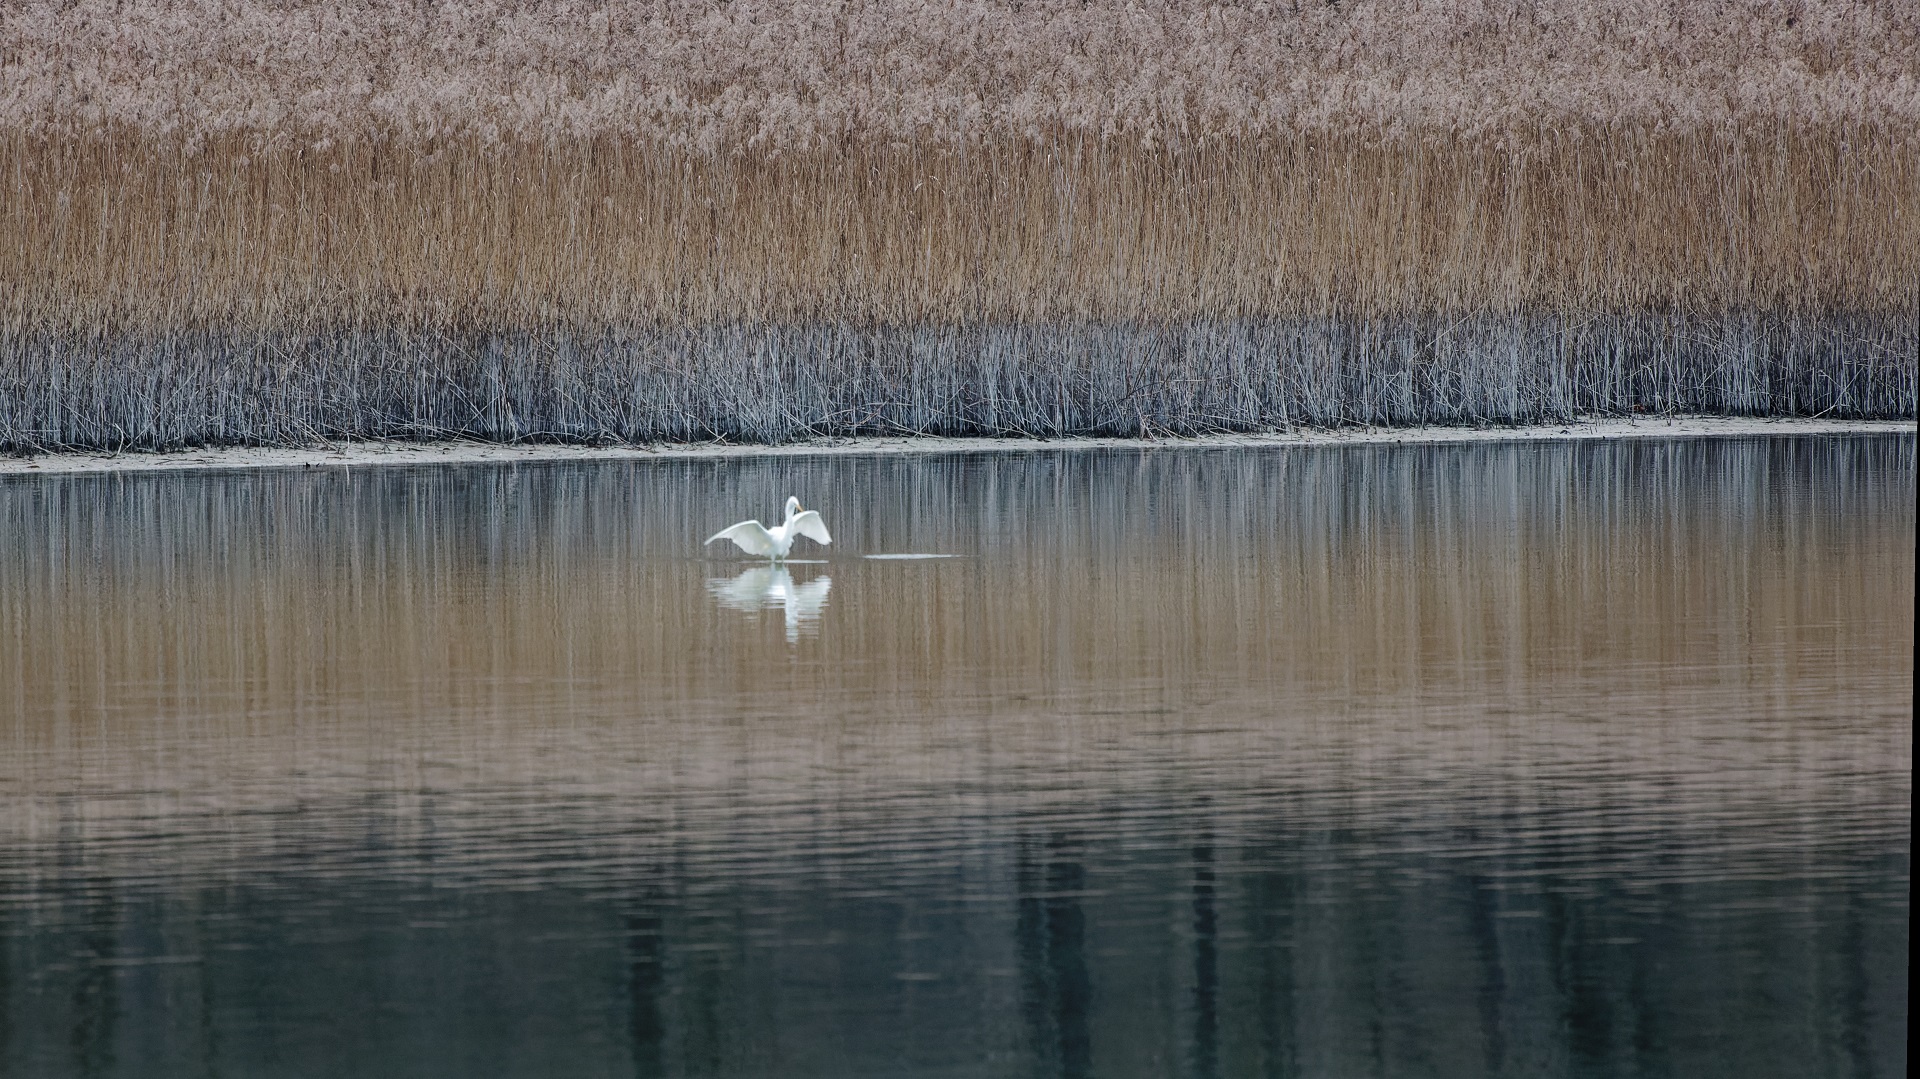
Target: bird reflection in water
767,587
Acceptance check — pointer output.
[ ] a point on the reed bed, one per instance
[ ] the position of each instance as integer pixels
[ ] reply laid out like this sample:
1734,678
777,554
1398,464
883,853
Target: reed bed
265,223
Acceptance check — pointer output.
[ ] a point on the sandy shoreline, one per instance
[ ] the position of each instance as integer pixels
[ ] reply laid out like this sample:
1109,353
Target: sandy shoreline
362,454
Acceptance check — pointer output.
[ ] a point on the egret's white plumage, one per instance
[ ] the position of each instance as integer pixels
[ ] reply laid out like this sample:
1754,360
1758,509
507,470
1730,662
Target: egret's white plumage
757,539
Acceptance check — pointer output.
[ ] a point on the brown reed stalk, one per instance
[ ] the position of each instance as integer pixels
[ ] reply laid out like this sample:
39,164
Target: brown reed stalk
1779,217
1383,193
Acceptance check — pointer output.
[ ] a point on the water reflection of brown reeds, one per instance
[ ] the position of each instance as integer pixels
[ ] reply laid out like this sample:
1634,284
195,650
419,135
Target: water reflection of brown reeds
1658,628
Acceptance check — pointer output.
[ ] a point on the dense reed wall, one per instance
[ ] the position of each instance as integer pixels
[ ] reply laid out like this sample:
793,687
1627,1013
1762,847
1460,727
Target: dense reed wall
252,222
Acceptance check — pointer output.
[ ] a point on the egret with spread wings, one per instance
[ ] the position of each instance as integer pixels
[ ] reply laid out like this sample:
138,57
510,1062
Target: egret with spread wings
774,543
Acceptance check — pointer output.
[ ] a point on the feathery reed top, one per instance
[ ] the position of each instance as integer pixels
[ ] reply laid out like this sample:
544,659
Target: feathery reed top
796,74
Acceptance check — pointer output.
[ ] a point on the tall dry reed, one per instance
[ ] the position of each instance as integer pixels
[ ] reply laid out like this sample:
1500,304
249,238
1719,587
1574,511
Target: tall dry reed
271,222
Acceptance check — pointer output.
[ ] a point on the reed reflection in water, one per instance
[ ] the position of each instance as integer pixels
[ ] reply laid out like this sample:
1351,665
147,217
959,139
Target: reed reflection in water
1466,760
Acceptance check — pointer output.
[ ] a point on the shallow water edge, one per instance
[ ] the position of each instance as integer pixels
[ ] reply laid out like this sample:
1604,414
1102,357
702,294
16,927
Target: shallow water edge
354,454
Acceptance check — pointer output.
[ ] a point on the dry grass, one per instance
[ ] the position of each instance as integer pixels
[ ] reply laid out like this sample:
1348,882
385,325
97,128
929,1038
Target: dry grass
267,222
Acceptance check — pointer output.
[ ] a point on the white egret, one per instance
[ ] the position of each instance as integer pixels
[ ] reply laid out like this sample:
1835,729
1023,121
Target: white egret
774,543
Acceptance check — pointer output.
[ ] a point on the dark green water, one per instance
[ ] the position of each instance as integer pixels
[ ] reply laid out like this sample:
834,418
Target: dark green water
1512,760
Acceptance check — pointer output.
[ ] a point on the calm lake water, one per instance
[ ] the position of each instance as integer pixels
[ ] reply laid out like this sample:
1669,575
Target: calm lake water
1484,760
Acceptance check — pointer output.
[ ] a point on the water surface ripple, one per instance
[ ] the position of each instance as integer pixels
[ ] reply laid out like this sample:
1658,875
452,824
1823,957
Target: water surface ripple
1519,760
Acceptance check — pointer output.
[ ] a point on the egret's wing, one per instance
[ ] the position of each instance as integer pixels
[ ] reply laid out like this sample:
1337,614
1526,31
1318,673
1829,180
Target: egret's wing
810,525
749,536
